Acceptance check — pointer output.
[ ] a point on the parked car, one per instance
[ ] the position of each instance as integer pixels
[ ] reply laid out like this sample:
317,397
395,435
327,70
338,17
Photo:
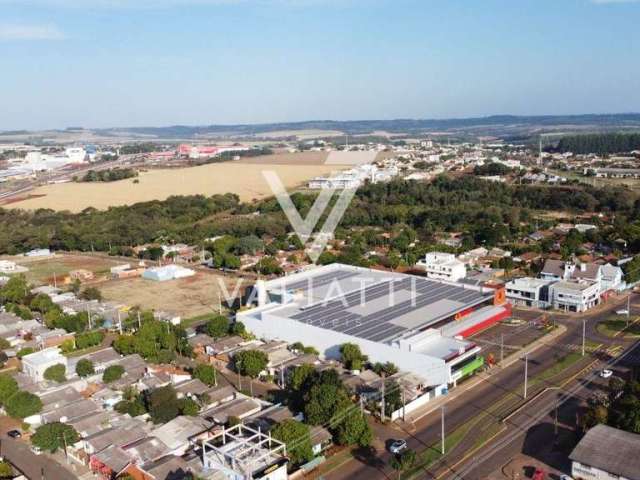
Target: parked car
565,477
539,474
14,433
606,373
398,446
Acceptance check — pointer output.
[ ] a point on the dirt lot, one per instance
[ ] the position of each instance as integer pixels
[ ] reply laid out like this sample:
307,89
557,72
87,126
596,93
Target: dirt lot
187,297
42,270
243,177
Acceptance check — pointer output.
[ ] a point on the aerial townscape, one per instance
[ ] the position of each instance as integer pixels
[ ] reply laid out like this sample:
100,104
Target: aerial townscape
199,281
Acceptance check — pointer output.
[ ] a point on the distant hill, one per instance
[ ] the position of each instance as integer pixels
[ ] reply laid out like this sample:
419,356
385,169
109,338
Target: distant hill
482,125
507,127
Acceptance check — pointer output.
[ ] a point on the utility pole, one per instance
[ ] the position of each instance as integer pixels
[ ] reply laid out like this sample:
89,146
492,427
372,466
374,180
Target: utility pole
501,348
628,309
119,322
584,334
404,402
442,429
526,373
139,321
361,404
89,316
555,420
382,405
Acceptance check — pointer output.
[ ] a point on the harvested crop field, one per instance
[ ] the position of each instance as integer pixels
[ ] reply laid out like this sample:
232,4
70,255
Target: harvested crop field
245,180
187,297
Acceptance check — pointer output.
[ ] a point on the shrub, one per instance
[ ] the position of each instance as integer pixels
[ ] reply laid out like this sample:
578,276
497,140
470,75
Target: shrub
56,373
112,373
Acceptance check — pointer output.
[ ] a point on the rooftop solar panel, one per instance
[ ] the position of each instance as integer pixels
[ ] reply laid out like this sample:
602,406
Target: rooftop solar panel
374,323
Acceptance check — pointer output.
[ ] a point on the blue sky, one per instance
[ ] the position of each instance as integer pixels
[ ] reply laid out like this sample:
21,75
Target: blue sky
99,63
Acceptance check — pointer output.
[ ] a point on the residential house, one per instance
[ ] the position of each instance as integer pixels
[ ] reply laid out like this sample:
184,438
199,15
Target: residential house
182,432
606,453
35,364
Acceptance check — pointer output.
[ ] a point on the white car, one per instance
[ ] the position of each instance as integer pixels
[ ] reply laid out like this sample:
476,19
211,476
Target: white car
565,477
622,312
606,373
398,446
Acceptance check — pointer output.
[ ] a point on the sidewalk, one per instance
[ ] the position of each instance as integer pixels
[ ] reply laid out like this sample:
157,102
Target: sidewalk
435,404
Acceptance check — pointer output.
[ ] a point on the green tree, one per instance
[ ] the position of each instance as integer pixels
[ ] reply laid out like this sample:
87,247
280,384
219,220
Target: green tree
250,362
52,436
205,373
296,435
403,461
84,368
56,373
4,344
112,373
42,303
23,404
25,351
15,290
323,401
91,293
163,404
353,428
387,368
218,326
352,357
188,407
6,470
8,387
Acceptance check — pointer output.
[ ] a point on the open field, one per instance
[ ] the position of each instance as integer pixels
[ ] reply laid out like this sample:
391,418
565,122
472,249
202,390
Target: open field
236,177
187,297
42,270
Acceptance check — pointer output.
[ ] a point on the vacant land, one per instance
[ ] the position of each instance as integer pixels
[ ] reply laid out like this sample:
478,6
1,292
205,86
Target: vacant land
44,271
187,297
240,177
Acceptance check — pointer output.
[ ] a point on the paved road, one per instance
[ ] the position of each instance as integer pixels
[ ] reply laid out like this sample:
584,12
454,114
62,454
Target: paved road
482,400
34,467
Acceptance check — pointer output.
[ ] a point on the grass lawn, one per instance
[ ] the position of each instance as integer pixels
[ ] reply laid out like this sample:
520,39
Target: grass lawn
618,326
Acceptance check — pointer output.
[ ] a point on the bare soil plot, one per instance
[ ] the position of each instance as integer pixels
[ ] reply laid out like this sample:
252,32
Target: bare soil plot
42,270
243,179
187,297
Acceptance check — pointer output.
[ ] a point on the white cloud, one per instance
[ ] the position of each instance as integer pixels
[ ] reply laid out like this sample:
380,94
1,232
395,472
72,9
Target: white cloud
29,32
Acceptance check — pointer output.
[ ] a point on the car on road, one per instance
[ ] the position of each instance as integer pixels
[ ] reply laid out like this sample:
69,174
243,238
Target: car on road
14,433
398,446
565,477
622,312
606,373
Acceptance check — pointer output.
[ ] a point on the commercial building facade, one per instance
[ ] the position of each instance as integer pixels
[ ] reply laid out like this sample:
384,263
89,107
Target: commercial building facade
392,317
442,266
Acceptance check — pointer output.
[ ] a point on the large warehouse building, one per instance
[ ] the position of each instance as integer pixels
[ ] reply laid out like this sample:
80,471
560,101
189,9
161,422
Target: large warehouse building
417,323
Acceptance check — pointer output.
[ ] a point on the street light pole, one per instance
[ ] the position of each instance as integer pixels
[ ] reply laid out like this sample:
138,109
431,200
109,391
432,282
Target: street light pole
526,373
501,348
442,430
584,334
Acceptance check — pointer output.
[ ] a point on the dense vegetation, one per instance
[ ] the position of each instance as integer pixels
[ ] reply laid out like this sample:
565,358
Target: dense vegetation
601,143
109,175
488,212
138,148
